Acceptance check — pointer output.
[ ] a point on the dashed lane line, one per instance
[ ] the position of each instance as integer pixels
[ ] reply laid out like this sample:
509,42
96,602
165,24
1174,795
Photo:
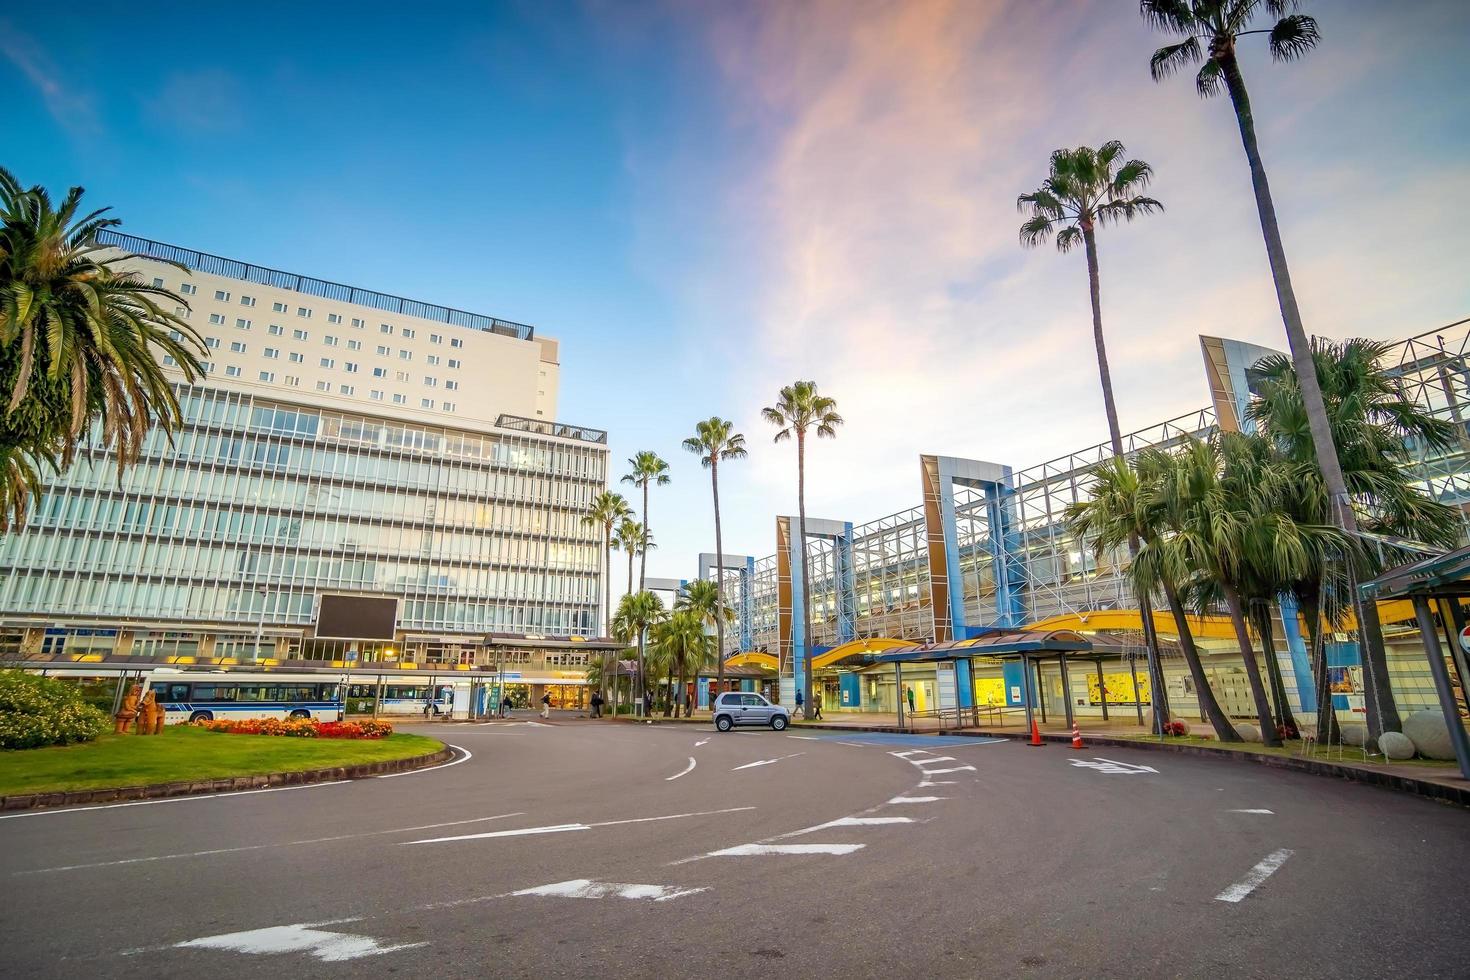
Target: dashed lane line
329,947
1257,876
849,822
772,850
765,762
805,738
586,888
916,799
1272,812
563,828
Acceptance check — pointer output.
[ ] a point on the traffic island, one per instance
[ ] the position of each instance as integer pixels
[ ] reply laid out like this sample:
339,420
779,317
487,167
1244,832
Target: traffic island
185,760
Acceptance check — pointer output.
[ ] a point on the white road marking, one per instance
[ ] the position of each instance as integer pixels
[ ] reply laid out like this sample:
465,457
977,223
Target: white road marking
1250,811
936,782
586,888
262,847
805,738
856,745
687,770
572,827
1109,767
905,755
445,765
1129,765
171,799
330,947
700,742
941,772
849,822
765,762
754,850
938,758
1253,880
916,799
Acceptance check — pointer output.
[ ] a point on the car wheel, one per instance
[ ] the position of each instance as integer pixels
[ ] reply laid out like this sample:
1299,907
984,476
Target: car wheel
778,722
723,723
300,713
202,716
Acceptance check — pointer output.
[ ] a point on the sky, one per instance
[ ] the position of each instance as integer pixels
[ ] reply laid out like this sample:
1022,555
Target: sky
704,201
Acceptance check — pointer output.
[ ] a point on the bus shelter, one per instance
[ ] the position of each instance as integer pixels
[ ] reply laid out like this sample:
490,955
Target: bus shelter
1437,584
1028,647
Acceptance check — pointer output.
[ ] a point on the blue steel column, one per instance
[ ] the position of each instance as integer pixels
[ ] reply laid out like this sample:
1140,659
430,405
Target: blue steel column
846,587
747,602
959,630
798,607
1009,608
1301,662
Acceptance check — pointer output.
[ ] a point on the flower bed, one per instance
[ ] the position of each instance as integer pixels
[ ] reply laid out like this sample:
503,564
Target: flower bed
299,728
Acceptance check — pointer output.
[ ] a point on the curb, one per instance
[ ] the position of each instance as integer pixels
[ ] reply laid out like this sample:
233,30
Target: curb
1459,795
154,791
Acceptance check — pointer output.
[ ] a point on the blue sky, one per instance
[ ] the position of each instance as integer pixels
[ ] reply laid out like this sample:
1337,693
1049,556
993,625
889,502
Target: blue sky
703,201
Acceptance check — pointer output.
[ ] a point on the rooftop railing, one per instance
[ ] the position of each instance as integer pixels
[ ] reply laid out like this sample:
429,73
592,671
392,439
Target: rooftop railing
541,427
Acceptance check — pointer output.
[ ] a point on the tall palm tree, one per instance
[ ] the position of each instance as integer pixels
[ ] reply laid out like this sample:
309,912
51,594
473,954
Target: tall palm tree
646,468
703,598
636,614
1220,24
799,408
1128,503
607,509
633,538
681,638
1087,189
714,440
1373,425
81,340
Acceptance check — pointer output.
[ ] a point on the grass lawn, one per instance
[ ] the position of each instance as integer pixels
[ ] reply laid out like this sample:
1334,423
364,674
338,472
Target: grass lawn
183,752
1351,754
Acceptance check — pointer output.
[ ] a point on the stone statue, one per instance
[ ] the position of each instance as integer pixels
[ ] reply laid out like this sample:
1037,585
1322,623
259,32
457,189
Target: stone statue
129,710
148,709
158,716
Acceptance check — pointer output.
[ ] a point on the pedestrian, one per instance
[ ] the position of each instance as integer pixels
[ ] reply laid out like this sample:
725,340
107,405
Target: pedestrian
505,706
546,705
647,704
817,705
799,703
596,705
911,700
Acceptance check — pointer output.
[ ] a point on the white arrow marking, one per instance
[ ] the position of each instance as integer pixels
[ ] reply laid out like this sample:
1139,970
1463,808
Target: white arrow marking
941,772
851,822
1268,866
700,742
915,799
687,770
1250,811
331,947
1127,765
754,850
586,888
764,762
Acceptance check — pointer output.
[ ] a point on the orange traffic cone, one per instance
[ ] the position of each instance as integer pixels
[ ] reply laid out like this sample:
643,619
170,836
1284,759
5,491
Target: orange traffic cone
1076,737
1035,734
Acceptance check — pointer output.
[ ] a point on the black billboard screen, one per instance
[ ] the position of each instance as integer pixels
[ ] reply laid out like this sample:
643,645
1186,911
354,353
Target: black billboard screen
356,617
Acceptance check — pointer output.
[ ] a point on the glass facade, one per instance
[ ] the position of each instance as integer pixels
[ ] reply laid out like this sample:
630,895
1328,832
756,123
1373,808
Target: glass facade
259,505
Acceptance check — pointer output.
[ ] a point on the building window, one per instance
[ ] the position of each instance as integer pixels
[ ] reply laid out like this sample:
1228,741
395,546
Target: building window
433,360
275,330
383,351
237,347
408,332
324,386
188,289
242,324
247,300
330,341
217,319
431,382
384,328
208,366
347,389
357,322
451,386
268,376
448,406
211,342
405,355
453,364
231,371
182,312
303,311
296,357
436,338
334,318
380,372
278,307
292,381
168,360
456,341
328,362
426,403
399,399
349,367
158,284
402,375
299,334
375,395
221,295
354,345
272,353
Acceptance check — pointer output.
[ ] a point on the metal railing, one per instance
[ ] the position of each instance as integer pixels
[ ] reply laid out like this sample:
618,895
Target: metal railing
235,269
541,427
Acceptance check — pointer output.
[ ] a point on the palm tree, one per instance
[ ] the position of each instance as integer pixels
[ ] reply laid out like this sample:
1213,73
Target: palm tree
608,508
633,538
1220,24
1085,190
800,407
715,440
80,343
646,468
1127,503
682,640
1372,424
636,614
703,598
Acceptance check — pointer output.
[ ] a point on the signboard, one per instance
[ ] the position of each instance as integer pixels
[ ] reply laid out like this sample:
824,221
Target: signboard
1465,639
356,617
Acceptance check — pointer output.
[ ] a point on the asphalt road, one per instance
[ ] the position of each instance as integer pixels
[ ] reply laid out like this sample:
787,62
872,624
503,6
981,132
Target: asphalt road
589,847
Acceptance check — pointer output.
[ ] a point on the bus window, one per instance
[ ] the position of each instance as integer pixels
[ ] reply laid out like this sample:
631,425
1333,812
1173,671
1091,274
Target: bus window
211,692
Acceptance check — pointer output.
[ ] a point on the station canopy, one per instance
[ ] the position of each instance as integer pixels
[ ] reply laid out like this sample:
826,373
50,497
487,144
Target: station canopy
998,644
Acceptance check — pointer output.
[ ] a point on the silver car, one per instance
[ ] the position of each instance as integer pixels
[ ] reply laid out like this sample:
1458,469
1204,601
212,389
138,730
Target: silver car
745,708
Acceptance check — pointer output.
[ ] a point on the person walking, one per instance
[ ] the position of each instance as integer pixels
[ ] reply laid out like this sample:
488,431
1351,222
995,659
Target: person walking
910,692
799,702
505,706
596,705
546,705
817,705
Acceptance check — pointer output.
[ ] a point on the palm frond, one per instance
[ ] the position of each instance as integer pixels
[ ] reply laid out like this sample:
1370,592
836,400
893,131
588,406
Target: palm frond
1293,37
1069,238
1210,79
1174,16
1172,58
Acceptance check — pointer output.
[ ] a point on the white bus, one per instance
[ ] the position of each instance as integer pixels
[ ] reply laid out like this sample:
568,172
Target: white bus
425,700
238,696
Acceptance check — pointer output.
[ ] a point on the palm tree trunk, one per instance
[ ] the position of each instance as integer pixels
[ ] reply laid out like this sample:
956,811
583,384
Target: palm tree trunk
606,597
1252,666
1284,717
714,479
1383,713
1209,704
806,579
1328,730
643,554
683,687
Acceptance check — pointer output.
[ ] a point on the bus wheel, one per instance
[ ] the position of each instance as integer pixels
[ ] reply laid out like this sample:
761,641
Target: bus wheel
201,716
300,713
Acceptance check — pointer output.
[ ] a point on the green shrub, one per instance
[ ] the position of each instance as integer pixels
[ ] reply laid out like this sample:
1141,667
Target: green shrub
36,711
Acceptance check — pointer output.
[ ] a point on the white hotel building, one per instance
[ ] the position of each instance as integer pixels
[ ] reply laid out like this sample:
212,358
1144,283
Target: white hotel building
345,442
